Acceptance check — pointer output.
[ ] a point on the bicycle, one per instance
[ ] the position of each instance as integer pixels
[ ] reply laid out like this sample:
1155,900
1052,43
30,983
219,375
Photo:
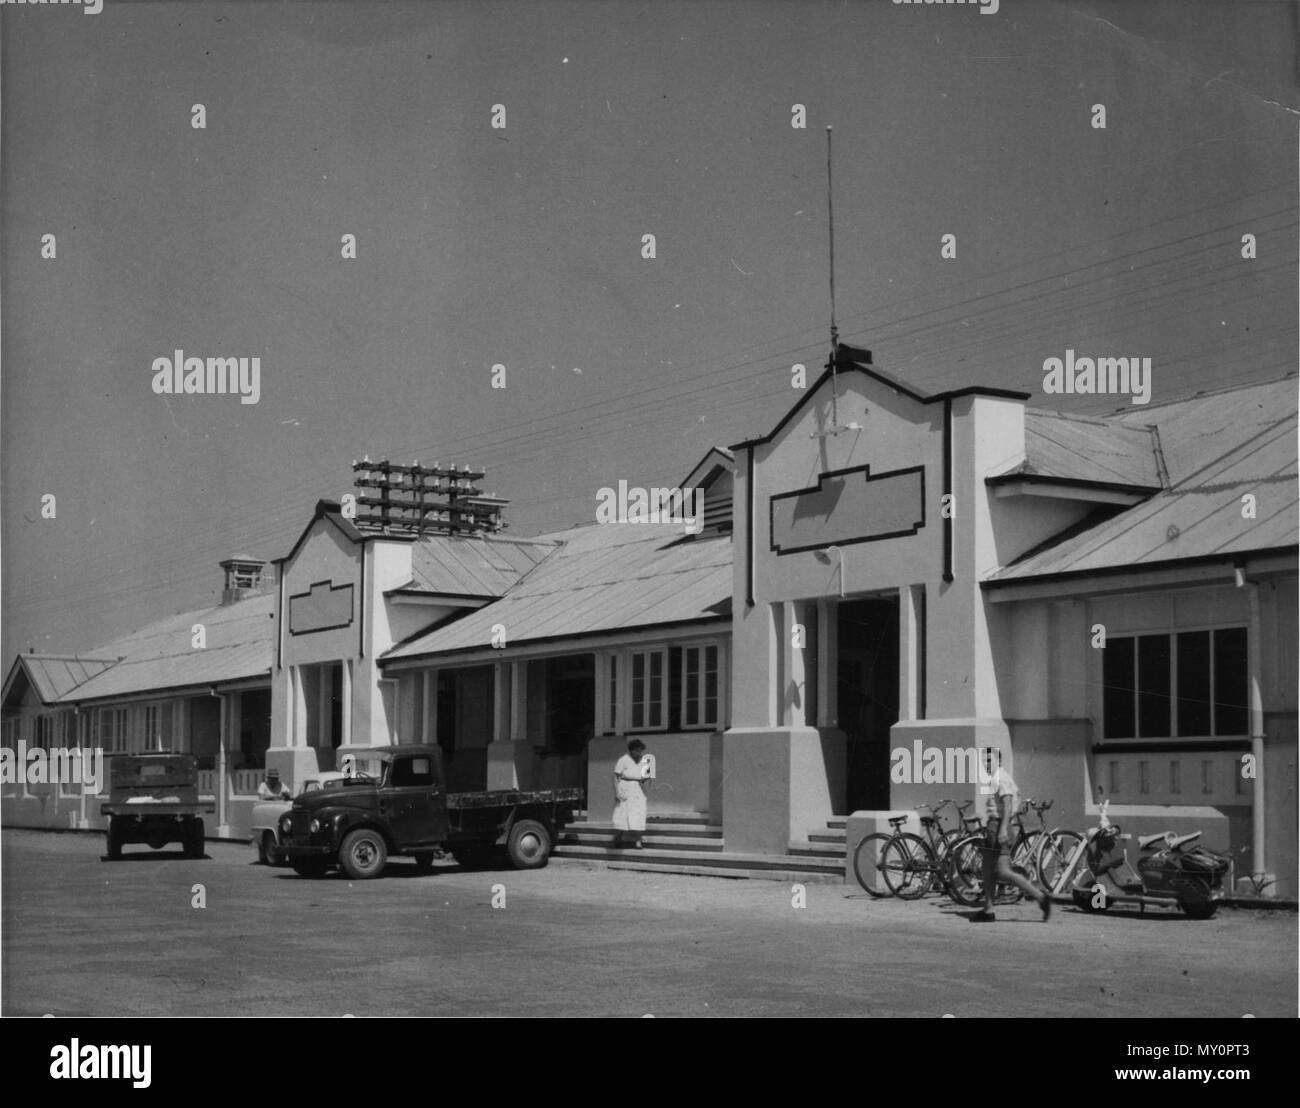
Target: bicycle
908,863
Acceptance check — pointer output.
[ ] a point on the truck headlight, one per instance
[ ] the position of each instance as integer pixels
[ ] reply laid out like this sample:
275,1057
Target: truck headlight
315,826
286,824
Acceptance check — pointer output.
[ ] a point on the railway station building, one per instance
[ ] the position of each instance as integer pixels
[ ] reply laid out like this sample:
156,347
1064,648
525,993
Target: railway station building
881,585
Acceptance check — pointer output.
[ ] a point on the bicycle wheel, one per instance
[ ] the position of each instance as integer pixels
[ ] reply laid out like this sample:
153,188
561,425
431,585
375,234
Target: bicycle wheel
1055,849
943,855
966,871
909,866
868,866
1026,855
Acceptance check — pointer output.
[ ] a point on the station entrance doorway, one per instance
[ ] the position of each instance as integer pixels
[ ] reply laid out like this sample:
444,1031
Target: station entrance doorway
867,677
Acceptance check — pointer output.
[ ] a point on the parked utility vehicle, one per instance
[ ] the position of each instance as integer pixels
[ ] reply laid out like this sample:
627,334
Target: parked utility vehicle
154,799
396,803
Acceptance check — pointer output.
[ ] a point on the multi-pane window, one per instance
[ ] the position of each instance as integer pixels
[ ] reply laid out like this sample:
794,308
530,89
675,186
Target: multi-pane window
1187,684
152,732
612,724
649,686
700,686
44,736
112,730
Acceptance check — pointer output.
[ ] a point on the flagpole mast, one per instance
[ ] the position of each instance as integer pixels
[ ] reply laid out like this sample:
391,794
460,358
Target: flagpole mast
835,335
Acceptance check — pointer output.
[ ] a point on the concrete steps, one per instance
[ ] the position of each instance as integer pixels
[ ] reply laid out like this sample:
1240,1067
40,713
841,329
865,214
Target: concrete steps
692,845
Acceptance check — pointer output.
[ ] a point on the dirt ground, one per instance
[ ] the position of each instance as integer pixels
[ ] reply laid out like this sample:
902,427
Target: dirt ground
83,936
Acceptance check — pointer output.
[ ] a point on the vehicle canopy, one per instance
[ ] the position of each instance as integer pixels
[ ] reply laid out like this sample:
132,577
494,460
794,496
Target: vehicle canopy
129,772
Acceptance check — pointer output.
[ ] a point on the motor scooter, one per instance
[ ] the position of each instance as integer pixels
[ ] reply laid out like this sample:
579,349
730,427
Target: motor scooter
1173,871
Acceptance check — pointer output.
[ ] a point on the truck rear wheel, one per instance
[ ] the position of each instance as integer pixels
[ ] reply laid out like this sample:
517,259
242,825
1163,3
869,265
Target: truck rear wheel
193,842
529,845
363,854
309,867
114,841
424,862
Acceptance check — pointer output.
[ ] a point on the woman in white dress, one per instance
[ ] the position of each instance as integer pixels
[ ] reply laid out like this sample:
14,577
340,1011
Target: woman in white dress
629,794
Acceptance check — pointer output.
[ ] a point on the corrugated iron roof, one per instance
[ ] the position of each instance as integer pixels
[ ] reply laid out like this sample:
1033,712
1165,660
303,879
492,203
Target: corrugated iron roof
445,566
1073,448
240,642
1217,448
56,675
603,577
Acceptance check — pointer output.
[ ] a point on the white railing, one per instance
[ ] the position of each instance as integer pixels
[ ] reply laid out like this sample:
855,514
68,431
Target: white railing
244,782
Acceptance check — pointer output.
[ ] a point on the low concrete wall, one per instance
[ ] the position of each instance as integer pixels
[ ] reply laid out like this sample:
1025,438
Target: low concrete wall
861,824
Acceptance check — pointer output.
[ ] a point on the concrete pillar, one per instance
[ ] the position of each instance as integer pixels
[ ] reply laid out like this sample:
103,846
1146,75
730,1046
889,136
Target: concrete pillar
298,725
345,704
796,684
501,704
910,656
223,780
509,759
825,680
1254,656
324,680
518,705
777,651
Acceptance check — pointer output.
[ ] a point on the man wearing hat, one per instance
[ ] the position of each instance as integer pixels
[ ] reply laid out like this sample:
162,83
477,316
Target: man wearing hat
271,788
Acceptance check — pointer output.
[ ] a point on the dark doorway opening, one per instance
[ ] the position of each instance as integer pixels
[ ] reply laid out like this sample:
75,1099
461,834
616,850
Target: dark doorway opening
867,639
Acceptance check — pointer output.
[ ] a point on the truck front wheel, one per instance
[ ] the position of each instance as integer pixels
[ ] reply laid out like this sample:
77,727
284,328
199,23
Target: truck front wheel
363,854
529,844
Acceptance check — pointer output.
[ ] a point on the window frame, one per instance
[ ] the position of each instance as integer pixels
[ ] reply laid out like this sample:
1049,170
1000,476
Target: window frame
1172,698
647,702
703,721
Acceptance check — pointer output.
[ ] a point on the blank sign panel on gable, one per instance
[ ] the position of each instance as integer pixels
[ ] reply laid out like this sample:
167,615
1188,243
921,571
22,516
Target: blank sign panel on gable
848,506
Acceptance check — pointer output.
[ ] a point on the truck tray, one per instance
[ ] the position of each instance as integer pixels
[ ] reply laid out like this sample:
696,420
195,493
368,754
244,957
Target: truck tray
500,798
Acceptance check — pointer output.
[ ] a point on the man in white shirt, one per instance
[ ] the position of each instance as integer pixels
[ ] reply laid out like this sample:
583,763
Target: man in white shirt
1000,789
271,789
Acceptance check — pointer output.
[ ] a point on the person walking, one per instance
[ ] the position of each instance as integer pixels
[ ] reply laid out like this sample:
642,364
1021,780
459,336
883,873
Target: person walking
1000,788
629,794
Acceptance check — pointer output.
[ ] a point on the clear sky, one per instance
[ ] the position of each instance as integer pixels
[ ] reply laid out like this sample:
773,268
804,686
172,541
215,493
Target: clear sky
523,246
